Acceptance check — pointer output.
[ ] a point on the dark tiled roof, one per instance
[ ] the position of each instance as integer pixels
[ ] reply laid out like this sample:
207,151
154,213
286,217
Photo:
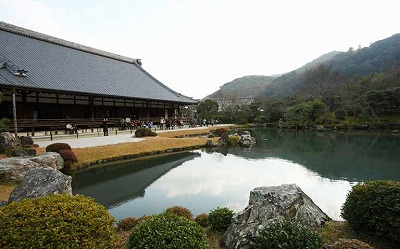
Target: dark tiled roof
64,66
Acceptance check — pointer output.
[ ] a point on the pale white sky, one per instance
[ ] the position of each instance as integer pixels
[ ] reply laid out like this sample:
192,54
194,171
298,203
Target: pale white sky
195,46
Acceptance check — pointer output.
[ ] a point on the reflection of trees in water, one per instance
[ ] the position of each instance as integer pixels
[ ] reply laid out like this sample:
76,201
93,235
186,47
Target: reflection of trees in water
355,156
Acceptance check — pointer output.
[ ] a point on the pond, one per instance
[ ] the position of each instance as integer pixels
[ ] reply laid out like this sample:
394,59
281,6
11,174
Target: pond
324,165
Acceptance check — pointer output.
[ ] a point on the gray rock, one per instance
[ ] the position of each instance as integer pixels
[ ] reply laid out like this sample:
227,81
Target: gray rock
8,142
26,141
31,151
209,143
40,182
3,203
19,153
49,159
15,168
246,140
269,204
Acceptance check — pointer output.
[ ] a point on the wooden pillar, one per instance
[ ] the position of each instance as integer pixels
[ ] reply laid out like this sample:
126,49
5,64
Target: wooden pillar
14,103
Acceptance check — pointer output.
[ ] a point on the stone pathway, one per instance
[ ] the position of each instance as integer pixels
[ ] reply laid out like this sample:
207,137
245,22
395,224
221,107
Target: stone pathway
95,139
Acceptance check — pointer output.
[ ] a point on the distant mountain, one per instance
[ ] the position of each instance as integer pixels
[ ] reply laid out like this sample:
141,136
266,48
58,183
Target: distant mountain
253,85
247,86
380,57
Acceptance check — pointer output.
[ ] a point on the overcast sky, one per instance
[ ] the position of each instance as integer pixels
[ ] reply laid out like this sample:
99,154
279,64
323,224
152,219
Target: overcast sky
195,46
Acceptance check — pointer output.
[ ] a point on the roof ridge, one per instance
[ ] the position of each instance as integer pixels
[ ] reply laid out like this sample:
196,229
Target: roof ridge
161,84
61,42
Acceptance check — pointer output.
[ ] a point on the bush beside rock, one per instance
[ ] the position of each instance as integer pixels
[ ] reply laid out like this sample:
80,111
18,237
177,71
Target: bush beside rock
167,231
56,221
288,235
219,219
374,206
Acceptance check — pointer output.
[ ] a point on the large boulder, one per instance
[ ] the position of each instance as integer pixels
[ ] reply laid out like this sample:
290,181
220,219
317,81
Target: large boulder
49,159
40,182
269,204
246,140
15,168
8,142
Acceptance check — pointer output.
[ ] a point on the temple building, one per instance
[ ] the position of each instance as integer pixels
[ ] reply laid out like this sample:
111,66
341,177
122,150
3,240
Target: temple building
46,81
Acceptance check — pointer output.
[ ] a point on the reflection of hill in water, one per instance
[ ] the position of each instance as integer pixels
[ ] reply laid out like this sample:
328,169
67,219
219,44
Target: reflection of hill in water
353,156
115,184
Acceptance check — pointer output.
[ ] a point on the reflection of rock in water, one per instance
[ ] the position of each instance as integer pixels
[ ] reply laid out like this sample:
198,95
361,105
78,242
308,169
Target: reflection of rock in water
115,184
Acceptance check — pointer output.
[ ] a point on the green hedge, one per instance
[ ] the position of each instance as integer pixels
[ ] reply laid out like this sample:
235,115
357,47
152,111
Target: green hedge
288,235
219,219
166,231
56,221
374,206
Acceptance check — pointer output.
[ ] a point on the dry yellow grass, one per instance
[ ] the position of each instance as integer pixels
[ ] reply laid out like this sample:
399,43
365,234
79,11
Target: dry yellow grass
5,190
175,133
151,144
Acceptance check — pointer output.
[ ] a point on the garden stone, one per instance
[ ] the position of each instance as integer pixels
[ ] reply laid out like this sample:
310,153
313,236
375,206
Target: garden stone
8,142
19,153
224,139
26,141
40,182
31,151
15,168
50,159
209,143
269,204
246,140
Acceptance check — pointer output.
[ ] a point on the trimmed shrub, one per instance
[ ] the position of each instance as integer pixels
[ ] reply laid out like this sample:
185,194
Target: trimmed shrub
145,132
68,156
180,211
143,218
126,224
56,147
288,235
374,206
220,131
201,219
56,221
167,231
351,244
219,219
233,140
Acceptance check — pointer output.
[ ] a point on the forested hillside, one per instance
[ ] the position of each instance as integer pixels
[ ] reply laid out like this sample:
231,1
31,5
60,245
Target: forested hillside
358,88
380,57
247,86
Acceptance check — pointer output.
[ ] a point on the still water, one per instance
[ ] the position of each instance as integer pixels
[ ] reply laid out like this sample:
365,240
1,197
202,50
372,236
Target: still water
324,165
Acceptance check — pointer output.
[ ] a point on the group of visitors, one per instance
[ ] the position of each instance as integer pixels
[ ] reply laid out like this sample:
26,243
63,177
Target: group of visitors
170,124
